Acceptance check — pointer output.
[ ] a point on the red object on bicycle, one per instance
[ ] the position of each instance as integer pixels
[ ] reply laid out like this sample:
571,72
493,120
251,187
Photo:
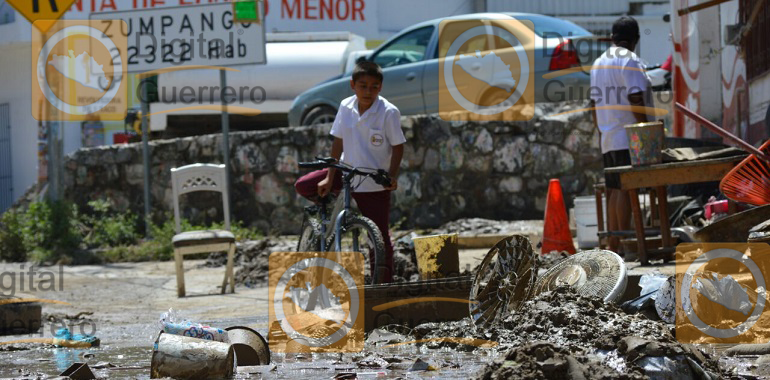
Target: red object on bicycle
556,233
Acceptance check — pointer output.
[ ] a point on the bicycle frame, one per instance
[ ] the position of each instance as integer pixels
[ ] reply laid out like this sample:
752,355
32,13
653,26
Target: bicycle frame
347,180
339,220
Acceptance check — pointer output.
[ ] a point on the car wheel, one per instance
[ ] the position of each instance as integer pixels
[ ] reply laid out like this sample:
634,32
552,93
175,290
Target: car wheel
319,115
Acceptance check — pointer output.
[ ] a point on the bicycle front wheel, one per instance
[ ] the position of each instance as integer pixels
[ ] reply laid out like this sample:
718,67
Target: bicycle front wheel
310,238
360,234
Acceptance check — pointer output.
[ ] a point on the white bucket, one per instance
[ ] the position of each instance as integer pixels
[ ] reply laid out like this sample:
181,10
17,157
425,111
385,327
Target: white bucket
586,221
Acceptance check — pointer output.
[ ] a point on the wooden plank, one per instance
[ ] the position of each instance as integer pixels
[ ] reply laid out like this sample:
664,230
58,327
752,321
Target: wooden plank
180,291
598,191
638,226
665,226
675,175
671,165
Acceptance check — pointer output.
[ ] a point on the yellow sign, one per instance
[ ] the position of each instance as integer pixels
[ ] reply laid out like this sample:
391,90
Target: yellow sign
48,10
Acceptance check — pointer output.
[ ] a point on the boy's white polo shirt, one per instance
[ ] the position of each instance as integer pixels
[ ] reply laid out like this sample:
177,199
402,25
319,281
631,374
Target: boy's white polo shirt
368,139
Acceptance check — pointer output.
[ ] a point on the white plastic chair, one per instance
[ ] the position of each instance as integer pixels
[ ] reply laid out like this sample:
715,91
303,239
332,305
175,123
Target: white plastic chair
201,177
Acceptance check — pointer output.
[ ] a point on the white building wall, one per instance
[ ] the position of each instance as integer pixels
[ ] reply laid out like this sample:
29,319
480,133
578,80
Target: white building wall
14,90
710,38
17,32
560,7
394,15
15,82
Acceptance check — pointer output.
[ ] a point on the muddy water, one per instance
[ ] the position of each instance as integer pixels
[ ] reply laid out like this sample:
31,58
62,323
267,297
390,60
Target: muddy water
126,350
589,337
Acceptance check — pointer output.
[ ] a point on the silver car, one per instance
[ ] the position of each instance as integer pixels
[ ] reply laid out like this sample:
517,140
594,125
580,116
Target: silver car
410,65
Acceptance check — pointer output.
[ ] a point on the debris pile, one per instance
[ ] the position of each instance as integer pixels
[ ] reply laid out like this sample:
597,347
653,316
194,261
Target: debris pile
547,260
544,360
478,226
571,325
252,256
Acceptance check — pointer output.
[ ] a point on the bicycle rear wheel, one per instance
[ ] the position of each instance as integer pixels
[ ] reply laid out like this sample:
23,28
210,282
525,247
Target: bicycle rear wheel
360,234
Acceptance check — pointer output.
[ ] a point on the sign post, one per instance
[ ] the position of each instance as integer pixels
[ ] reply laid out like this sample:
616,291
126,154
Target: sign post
146,156
189,37
225,134
50,11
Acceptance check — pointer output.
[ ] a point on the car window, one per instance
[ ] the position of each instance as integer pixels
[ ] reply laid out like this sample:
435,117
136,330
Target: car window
505,36
408,48
455,28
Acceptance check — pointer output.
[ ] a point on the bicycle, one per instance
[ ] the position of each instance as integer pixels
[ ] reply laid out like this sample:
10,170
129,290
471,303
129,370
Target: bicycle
351,233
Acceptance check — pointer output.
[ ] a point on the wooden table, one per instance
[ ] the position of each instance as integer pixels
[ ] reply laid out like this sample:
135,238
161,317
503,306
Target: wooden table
633,178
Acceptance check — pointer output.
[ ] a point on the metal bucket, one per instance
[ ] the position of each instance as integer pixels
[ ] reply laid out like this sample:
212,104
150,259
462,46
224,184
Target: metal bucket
182,357
645,143
437,256
250,347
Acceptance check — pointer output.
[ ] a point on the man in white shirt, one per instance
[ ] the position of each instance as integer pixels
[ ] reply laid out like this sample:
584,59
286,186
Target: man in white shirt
619,86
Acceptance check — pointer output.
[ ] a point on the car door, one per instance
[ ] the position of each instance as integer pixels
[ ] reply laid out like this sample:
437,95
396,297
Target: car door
431,74
403,61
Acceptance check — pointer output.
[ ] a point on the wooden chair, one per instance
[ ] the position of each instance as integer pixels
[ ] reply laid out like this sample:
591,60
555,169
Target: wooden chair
201,177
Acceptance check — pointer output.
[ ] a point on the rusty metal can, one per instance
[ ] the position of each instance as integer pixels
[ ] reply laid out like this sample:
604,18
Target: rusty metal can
250,347
182,357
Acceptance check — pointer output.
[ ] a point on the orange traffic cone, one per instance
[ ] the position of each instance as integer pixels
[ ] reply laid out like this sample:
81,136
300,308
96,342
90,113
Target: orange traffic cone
556,233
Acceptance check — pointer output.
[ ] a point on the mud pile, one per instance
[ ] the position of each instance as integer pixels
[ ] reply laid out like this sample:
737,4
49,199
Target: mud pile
544,360
485,226
574,326
405,260
252,256
547,260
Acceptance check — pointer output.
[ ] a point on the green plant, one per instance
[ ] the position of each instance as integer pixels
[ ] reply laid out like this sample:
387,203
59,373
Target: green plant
108,227
11,238
51,231
46,231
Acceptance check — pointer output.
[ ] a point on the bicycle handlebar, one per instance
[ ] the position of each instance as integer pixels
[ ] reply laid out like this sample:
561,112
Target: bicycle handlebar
380,177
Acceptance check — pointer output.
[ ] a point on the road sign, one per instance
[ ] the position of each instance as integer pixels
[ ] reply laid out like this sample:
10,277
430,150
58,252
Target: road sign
246,11
164,38
48,10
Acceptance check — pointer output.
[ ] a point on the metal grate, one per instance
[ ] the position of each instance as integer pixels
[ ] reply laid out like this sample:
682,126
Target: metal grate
6,177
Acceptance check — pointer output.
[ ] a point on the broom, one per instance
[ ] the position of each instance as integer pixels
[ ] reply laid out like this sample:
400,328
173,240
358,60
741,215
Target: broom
749,182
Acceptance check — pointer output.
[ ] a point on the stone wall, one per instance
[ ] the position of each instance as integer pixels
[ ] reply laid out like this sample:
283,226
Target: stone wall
450,170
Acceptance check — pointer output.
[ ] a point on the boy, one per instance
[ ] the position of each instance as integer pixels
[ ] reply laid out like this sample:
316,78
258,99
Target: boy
367,129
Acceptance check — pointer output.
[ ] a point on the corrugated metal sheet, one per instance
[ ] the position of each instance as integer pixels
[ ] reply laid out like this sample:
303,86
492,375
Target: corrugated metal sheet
560,7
